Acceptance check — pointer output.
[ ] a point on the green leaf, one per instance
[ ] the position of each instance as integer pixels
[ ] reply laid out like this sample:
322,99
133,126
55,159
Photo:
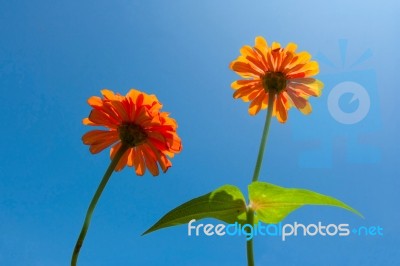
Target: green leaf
273,203
226,203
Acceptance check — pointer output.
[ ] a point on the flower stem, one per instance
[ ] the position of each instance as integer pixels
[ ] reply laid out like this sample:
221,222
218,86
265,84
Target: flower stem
249,243
264,138
250,212
94,201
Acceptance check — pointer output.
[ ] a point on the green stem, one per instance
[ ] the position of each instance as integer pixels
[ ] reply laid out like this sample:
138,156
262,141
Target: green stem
250,212
249,243
264,138
94,201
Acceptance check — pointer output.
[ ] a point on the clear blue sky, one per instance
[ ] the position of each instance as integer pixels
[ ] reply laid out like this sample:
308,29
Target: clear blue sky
56,54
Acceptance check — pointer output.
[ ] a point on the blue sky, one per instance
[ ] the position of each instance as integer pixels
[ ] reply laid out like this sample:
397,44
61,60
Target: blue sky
56,54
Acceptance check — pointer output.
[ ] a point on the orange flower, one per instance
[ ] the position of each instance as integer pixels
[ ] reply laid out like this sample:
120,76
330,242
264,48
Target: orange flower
134,120
278,72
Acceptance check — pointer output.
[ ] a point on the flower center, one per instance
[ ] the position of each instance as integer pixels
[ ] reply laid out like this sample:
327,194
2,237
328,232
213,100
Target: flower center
274,82
131,134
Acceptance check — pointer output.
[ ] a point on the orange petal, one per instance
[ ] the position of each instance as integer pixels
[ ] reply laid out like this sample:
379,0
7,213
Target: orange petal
287,58
251,96
95,101
256,104
120,110
161,158
304,80
138,161
96,148
87,122
246,90
96,136
156,135
164,163
257,64
275,45
261,44
246,70
265,101
150,160
247,51
300,102
174,144
100,118
312,68
307,109
131,155
114,150
294,69
108,94
243,82
271,62
133,93
303,57
254,58
291,47
280,109
123,161
312,89
142,117
110,111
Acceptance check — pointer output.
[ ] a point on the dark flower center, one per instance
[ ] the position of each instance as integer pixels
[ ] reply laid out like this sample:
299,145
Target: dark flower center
274,82
132,134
